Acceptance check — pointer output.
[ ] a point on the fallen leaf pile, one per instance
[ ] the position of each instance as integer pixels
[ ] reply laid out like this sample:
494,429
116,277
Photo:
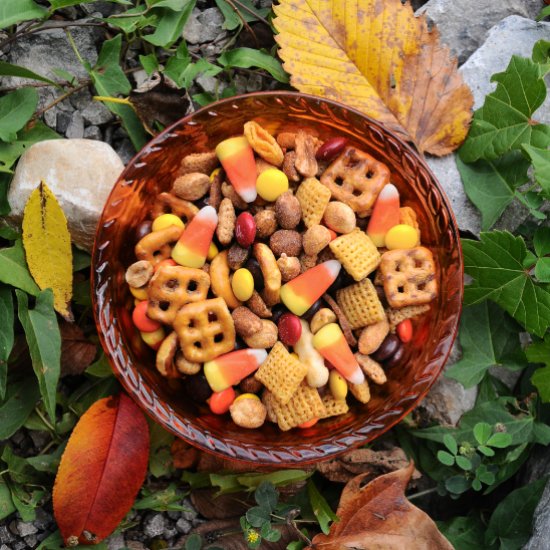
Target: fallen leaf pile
379,515
376,56
77,352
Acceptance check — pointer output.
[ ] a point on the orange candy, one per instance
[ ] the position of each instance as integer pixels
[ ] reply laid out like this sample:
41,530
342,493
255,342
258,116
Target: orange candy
405,330
220,401
141,321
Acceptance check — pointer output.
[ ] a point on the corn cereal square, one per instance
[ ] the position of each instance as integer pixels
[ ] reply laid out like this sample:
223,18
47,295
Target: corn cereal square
334,407
314,198
360,304
357,253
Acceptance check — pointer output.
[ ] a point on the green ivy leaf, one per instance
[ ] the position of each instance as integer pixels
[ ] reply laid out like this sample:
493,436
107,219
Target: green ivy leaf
14,270
504,122
266,496
491,185
323,512
464,533
44,340
6,335
496,265
542,270
20,400
15,11
170,24
246,58
511,522
540,159
488,337
257,516
6,502
16,108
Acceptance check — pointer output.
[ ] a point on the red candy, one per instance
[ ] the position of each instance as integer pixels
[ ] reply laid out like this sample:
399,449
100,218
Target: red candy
290,329
405,331
245,229
141,321
331,148
220,401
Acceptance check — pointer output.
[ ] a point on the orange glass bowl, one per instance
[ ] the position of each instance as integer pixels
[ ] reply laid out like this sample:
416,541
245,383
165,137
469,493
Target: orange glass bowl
152,171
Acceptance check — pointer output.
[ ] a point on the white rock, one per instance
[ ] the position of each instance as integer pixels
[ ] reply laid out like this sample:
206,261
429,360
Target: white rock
463,24
80,173
512,36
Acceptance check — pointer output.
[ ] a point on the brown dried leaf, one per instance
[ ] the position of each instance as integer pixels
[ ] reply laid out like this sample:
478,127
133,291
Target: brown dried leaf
379,515
213,506
77,352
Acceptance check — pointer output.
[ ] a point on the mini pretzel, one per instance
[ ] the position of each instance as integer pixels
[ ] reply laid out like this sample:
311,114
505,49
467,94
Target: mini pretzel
205,330
408,276
172,287
270,272
356,178
167,203
157,246
219,277
170,361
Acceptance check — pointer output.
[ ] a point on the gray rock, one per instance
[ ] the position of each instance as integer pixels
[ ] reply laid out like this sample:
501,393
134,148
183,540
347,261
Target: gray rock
104,8
80,173
125,151
5,547
44,51
189,513
115,542
541,523
203,26
63,119
210,84
96,113
513,36
92,132
183,526
43,519
25,528
169,533
75,130
463,24
31,541
5,535
81,99
20,545
154,526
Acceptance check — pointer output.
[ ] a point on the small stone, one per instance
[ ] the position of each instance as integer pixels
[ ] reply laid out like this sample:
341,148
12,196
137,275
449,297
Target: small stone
39,439
20,545
50,118
192,32
92,132
125,151
5,547
135,545
63,119
115,541
464,33
80,173
541,523
189,513
254,83
26,528
169,533
5,535
81,99
96,113
31,540
75,129
43,519
210,84
183,526
154,526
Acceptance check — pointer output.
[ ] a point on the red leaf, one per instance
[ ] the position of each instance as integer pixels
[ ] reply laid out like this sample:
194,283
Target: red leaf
101,470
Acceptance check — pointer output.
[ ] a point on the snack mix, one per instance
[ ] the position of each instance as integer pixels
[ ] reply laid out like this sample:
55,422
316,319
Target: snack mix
289,281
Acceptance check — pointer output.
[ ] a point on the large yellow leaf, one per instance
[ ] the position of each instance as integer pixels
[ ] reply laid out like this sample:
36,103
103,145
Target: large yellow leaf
374,55
47,245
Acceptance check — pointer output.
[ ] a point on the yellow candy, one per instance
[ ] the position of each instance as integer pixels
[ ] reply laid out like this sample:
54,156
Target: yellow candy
166,220
271,183
212,252
401,236
139,293
214,173
242,284
338,385
153,339
246,396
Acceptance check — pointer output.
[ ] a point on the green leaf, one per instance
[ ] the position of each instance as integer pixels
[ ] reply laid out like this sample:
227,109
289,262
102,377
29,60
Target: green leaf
463,462
21,398
16,108
15,11
323,512
10,152
545,12
26,502
44,340
160,458
101,368
496,265
109,80
280,477
6,502
89,392
541,381
450,442
500,440
149,63
488,337
19,470
194,542
269,534
8,69
482,432
511,522
58,4
245,58
504,122
542,270
445,458
166,500
266,496
47,463
14,270
541,241
257,516
170,25
231,14
457,485
540,159
6,335
464,533
487,451
491,185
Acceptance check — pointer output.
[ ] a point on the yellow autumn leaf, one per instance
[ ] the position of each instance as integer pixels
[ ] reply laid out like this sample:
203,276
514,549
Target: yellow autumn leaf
376,56
47,244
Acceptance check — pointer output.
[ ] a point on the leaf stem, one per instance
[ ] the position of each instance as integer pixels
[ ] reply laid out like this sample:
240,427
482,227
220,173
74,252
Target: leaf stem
108,99
47,423
258,17
422,493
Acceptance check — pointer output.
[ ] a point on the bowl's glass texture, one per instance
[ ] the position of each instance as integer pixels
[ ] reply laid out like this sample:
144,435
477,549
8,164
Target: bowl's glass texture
152,171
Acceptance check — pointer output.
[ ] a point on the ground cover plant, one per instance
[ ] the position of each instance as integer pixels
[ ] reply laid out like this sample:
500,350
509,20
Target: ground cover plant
468,488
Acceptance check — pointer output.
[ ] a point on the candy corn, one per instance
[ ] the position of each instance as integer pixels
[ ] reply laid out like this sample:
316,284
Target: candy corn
229,369
385,214
302,292
237,158
192,248
331,343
